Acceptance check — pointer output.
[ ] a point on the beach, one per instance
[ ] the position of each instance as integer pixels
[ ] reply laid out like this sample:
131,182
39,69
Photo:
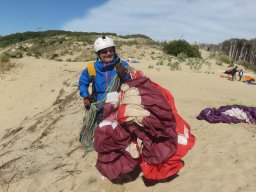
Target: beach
42,115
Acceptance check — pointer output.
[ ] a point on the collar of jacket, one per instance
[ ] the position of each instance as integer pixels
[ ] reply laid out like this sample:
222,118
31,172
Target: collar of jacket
103,67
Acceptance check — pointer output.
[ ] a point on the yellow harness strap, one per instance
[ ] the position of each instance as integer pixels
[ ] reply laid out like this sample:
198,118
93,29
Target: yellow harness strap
91,69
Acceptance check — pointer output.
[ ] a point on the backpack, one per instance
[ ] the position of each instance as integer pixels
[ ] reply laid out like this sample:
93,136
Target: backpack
91,70
92,73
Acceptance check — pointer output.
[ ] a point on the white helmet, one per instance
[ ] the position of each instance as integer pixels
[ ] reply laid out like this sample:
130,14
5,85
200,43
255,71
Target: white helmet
102,43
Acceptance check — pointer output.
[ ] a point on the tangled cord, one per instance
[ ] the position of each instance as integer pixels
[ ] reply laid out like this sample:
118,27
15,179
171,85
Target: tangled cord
94,116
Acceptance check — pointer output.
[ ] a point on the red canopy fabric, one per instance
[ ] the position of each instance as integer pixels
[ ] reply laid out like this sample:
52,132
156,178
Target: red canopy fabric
147,114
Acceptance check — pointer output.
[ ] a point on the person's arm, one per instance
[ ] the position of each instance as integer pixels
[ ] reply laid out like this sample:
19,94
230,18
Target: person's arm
127,77
122,71
84,82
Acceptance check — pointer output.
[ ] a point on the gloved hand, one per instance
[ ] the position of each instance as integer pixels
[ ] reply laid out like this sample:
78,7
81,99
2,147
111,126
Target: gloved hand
120,70
87,103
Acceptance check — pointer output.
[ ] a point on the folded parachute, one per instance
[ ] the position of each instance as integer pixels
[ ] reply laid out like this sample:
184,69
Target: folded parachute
142,128
229,114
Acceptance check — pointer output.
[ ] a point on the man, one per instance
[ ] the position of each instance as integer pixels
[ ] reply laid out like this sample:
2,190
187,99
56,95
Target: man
233,73
240,73
107,66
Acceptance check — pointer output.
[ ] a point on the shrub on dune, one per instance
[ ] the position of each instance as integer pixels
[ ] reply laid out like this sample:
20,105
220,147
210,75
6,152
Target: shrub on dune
178,47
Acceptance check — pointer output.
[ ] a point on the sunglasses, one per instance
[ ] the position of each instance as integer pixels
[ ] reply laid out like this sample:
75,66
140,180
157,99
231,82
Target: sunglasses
105,51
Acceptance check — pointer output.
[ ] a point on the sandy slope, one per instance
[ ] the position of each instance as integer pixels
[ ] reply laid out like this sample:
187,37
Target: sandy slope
41,116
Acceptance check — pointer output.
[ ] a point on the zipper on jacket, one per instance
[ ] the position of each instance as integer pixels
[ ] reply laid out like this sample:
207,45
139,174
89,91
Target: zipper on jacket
106,75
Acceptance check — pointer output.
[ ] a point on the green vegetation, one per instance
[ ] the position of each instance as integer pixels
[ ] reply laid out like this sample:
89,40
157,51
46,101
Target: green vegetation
19,37
57,44
225,59
221,58
151,67
4,58
16,54
174,66
40,35
195,65
135,36
161,62
177,47
5,64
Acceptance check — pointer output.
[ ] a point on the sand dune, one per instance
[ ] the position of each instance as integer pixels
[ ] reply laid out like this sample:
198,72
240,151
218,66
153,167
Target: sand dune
41,116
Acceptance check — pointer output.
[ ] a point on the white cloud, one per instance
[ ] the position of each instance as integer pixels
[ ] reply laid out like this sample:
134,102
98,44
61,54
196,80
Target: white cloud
194,20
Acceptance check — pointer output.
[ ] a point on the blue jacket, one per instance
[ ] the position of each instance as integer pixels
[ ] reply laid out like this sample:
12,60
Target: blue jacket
104,75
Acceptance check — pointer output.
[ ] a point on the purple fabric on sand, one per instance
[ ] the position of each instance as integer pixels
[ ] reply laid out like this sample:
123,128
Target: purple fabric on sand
214,115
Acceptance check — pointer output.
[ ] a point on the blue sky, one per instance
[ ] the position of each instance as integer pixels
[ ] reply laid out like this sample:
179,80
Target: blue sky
209,21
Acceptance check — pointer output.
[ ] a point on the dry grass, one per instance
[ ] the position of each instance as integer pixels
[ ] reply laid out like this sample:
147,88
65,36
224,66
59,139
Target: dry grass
5,64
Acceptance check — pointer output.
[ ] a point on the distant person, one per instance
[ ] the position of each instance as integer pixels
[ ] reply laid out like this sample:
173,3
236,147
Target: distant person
240,74
233,73
107,65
